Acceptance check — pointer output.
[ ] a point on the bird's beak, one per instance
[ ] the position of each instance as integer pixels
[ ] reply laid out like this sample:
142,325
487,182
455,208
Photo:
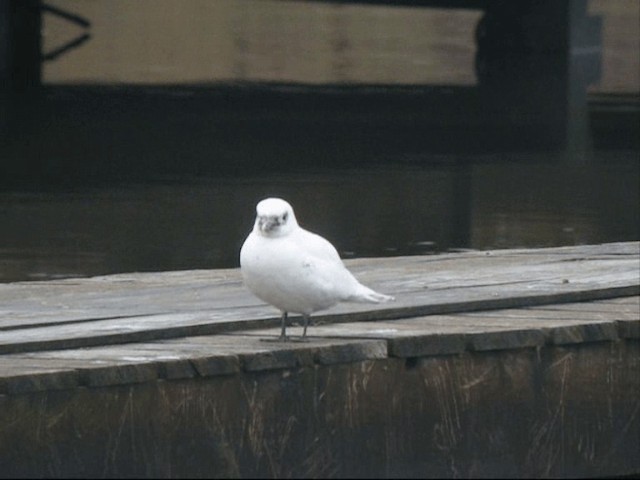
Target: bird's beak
267,224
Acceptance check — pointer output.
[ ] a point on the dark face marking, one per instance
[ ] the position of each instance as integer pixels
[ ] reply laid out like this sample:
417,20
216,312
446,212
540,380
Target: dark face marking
272,222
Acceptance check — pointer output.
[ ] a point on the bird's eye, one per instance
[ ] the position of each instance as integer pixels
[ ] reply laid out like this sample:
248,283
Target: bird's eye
285,216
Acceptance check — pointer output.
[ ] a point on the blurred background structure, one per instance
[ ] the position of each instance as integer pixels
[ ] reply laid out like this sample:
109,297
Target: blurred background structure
139,135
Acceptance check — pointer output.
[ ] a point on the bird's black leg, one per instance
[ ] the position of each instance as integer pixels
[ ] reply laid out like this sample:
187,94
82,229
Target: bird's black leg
306,323
283,332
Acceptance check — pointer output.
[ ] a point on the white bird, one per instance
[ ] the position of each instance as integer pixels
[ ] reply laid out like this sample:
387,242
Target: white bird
295,270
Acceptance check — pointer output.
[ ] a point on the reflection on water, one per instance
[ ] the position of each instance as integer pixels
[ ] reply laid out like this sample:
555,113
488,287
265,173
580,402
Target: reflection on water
397,209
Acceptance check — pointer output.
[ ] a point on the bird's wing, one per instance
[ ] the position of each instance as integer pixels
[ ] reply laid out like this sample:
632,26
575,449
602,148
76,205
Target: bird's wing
326,270
323,268
317,246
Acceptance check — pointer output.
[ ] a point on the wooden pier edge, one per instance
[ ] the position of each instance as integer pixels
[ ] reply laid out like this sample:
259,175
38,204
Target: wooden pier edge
464,385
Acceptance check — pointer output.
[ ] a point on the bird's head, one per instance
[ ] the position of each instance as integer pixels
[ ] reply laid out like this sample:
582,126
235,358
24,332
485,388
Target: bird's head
274,218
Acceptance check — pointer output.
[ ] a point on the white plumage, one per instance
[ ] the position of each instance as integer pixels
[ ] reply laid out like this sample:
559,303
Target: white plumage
295,270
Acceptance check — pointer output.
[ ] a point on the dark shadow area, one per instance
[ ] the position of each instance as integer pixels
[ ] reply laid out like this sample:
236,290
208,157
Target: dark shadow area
79,133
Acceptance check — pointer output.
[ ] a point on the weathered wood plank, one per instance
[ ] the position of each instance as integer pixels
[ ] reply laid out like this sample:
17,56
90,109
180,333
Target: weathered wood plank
137,329
172,359
533,315
623,310
632,301
329,343
143,307
194,291
444,334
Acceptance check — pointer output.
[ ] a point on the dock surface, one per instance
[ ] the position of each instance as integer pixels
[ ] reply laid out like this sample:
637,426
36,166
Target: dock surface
84,312
500,316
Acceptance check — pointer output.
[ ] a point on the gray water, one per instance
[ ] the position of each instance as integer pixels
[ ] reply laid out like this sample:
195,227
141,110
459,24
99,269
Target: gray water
395,209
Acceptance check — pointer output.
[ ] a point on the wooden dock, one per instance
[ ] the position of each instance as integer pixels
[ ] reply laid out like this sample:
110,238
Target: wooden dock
494,363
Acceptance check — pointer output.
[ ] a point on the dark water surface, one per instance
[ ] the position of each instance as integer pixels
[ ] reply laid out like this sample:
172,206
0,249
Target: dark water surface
382,210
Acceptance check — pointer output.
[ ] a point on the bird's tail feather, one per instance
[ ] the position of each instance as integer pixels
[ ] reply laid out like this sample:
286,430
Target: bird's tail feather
366,295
